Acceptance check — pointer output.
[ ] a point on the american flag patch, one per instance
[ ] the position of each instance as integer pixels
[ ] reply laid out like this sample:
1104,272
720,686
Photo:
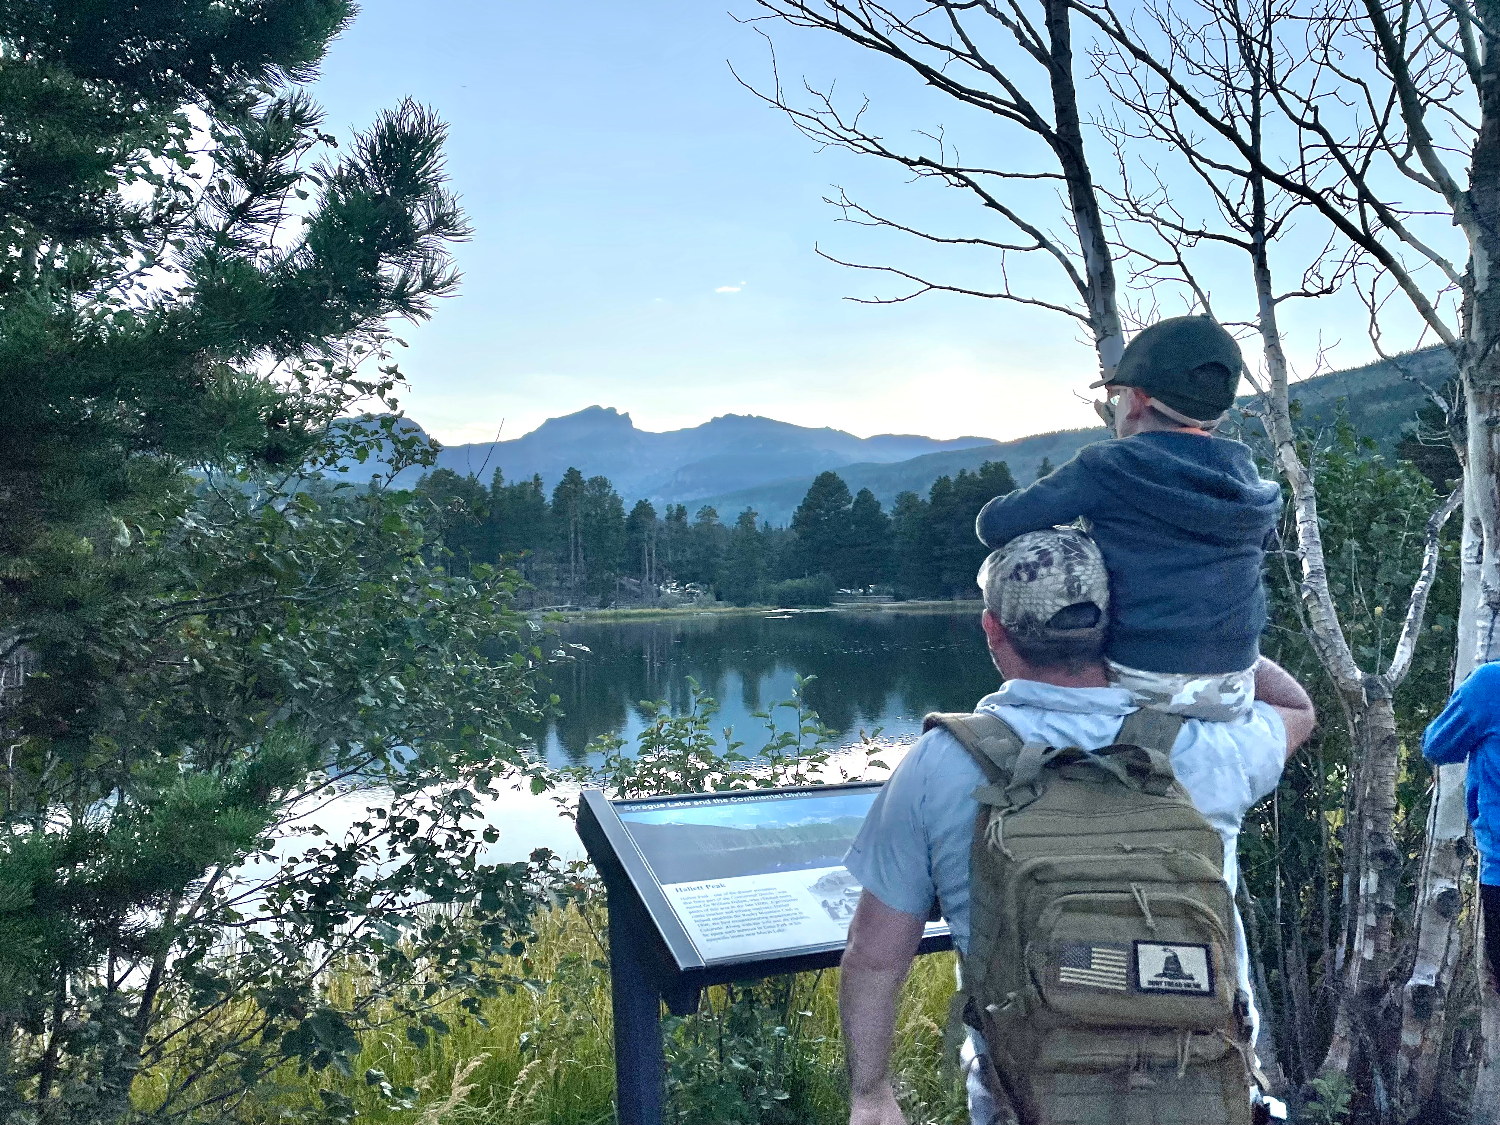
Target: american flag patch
1094,965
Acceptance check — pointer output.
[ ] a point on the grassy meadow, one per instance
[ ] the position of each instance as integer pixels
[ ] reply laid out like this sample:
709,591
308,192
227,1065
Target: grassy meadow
543,1055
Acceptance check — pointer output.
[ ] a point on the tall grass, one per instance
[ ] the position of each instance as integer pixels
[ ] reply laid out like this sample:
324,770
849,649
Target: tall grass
545,1055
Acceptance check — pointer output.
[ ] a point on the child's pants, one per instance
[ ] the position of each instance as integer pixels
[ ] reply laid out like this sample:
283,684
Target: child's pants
1489,909
1219,697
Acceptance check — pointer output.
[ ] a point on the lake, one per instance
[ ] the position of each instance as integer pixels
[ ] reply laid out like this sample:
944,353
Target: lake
880,669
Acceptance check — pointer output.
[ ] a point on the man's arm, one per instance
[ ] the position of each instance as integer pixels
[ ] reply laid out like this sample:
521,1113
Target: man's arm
1275,687
1060,497
882,943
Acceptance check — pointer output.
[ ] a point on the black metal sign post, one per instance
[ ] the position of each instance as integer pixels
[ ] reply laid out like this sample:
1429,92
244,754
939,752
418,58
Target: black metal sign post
654,959
639,1063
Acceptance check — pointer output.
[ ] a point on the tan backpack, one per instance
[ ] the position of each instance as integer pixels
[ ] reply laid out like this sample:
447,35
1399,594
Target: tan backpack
1102,967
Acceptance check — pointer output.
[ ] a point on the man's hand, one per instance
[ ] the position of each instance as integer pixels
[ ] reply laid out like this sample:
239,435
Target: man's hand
878,1108
882,943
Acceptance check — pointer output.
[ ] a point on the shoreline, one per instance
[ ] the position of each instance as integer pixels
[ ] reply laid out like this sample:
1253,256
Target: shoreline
723,609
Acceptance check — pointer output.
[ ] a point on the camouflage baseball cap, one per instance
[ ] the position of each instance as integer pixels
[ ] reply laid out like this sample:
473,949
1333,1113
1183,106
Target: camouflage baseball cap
1033,578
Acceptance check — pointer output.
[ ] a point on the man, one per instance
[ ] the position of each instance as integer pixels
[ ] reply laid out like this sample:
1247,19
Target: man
1046,604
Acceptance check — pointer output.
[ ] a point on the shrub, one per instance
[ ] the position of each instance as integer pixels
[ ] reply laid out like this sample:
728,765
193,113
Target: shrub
814,591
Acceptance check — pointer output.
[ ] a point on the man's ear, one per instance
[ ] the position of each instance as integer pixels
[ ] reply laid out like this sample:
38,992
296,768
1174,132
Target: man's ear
1002,653
994,632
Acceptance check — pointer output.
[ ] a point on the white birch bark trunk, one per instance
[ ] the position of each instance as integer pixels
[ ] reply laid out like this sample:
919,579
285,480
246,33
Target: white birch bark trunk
1483,397
1482,390
1439,907
1333,652
1471,554
1083,200
1439,939
1481,384
1367,700
1327,634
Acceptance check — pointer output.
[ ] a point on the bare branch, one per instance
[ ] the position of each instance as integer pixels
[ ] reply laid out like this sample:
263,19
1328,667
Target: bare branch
926,286
1416,608
1105,19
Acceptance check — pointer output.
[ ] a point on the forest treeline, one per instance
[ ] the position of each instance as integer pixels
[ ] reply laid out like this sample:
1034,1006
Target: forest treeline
579,544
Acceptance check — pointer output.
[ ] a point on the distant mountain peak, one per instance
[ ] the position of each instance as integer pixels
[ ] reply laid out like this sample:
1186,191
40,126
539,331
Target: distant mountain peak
759,422
590,417
971,438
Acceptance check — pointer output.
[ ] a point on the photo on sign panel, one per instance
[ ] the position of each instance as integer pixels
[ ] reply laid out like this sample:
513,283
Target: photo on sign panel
727,837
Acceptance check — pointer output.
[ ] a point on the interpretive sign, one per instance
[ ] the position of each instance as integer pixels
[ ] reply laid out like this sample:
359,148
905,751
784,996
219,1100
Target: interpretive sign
709,888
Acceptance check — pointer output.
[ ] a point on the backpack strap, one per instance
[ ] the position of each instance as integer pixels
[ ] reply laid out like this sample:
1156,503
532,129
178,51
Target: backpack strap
1144,747
1012,765
995,746
989,739
1150,730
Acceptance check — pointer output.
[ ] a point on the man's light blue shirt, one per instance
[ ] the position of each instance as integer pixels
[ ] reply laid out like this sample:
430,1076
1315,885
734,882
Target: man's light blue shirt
915,843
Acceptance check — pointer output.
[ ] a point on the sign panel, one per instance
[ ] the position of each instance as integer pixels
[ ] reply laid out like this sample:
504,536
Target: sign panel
746,876
709,888
754,874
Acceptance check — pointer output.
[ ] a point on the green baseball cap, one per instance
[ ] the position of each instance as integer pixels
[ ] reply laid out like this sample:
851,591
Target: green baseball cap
1188,363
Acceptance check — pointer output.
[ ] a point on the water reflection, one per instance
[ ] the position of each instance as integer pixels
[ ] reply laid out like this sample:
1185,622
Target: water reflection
874,669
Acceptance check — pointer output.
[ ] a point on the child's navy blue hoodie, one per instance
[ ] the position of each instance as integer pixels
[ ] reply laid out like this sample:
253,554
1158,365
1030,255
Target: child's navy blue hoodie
1183,521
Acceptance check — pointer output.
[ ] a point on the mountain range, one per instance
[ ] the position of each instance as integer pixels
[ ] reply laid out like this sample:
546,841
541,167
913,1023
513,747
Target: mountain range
730,452
735,461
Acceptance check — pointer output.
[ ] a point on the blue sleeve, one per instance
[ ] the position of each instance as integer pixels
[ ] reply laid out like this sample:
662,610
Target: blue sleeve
1060,497
890,857
1472,713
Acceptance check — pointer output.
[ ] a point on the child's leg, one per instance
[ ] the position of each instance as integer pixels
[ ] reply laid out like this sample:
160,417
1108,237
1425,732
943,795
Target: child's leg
1218,697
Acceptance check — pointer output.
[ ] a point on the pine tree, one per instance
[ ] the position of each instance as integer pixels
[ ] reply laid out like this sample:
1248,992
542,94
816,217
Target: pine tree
195,287
602,530
640,542
101,373
868,557
518,519
953,507
745,560
567,514
822,524
705,548
460,507
915,566
674,535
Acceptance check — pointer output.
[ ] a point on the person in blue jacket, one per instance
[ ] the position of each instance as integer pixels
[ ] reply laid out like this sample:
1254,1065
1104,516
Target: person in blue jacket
1469,730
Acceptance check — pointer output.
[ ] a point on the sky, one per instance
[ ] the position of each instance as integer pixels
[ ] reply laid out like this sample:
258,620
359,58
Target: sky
646,233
